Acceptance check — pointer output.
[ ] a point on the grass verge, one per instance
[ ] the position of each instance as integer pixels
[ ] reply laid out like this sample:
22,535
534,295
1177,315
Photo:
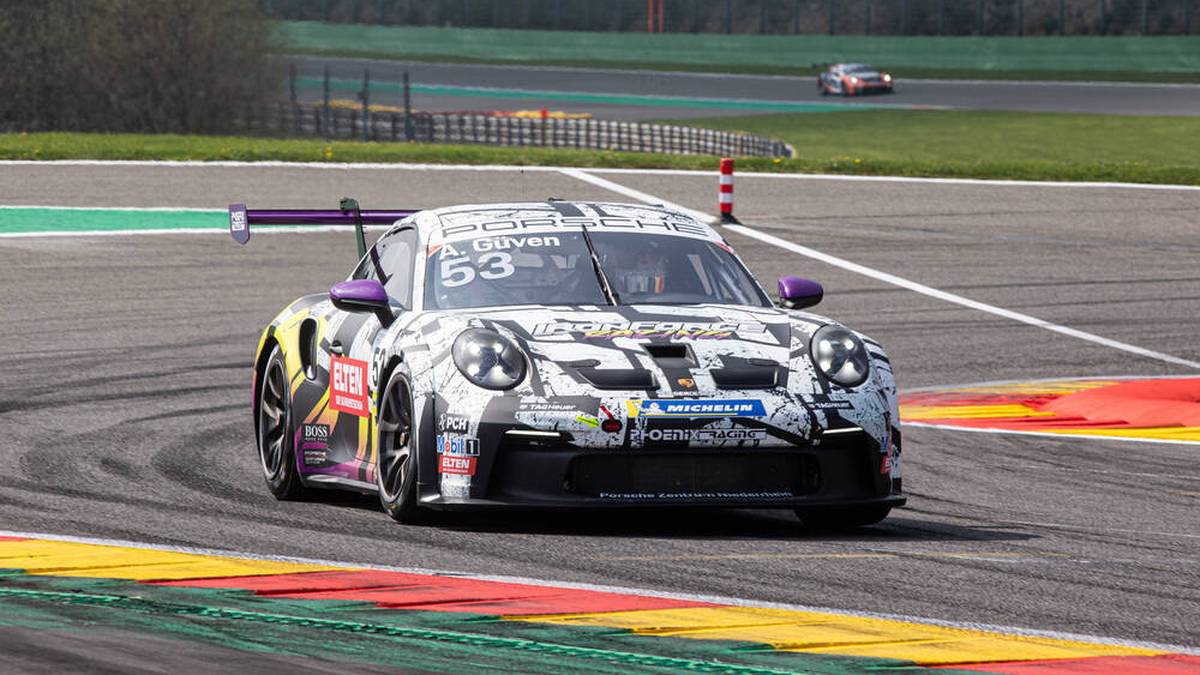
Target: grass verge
934,143
1160,59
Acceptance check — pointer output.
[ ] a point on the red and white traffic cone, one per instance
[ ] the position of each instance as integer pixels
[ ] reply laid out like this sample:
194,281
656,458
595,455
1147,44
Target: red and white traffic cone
725,191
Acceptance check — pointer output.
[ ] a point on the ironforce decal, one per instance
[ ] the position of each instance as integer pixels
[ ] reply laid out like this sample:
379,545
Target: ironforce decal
348,386
695,408
607,330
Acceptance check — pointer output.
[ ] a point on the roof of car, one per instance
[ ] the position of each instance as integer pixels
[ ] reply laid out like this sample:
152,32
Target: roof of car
469,221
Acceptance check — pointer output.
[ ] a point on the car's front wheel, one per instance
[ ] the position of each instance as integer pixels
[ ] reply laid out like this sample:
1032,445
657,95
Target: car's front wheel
396,469
275,432
843,517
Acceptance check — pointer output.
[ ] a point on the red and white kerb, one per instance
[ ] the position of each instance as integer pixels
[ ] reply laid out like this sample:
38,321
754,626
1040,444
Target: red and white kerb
725,189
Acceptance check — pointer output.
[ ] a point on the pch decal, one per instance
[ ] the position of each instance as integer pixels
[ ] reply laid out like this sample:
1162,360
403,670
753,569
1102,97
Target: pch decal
348,386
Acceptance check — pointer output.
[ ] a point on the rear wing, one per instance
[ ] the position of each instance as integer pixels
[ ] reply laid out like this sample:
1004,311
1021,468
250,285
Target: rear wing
348,213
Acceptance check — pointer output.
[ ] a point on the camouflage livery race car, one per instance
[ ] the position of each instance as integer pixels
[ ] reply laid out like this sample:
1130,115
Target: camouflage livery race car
853,79
568,354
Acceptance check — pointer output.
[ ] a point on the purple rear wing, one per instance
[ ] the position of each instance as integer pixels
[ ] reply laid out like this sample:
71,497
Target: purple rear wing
241,218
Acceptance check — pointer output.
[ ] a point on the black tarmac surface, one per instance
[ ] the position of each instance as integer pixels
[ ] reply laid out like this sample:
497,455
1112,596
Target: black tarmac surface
1078,97
124,400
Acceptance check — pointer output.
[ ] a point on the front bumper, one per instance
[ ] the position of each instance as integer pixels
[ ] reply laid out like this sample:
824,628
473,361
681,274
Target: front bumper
841,470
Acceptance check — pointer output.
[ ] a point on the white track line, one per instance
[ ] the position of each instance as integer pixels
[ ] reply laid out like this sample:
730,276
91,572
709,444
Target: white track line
889,278
376,166
636,194
692,597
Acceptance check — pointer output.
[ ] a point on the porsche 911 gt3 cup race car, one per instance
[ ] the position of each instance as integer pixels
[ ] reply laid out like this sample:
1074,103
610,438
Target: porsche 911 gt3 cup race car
853,79
568,354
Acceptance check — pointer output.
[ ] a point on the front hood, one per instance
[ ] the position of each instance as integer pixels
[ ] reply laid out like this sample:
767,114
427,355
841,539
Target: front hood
712,343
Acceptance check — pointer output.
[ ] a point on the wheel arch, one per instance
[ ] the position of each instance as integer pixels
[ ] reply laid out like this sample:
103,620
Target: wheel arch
260,368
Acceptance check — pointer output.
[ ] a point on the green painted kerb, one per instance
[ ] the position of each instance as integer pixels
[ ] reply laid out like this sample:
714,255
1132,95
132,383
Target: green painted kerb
50,219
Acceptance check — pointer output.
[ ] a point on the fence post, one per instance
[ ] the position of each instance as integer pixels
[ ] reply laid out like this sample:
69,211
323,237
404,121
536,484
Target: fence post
326,100
366,105
408,120
292,83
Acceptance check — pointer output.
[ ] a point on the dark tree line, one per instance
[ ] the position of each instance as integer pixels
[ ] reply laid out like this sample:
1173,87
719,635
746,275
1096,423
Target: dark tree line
180,66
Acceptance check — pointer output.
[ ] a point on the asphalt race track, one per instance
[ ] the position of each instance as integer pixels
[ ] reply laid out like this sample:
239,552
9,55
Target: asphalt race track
621,94
124,400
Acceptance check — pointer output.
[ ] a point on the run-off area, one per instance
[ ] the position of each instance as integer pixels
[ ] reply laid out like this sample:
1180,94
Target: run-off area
125,414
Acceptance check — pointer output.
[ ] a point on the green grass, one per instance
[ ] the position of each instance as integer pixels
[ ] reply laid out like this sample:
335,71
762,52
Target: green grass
979,144
937,143
1165,59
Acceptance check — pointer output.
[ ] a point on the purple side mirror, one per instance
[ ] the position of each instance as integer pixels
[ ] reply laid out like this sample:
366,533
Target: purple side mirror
798,293
363,295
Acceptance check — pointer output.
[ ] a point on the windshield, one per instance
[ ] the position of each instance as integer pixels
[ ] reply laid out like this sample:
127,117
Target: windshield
557,270
859,69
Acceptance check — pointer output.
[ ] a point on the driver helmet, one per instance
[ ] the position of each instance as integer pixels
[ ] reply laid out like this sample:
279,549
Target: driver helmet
642,272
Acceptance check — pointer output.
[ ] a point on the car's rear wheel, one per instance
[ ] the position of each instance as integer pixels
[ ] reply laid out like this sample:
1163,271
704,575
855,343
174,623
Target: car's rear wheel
843,517
276,437
396,469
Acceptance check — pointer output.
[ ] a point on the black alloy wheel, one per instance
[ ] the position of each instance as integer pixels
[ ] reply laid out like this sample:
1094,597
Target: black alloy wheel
396,469
276,450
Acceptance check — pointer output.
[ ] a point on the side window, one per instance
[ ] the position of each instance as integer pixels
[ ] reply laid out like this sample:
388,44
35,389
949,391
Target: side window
391,261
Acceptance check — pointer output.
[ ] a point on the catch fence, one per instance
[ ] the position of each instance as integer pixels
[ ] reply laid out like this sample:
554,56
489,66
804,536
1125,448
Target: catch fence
767,17
286,119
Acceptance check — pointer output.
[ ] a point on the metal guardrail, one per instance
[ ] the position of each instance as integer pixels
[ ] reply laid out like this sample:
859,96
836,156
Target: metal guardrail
589,134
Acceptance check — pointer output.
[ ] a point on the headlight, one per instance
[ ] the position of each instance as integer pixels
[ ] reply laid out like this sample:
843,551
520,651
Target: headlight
488,359
887,78
840,355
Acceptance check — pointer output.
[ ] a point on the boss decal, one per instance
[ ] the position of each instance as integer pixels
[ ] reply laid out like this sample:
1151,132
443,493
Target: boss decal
348,386
695,408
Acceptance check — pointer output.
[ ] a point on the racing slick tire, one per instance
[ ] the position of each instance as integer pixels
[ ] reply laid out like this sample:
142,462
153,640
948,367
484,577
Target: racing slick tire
396,436
843,517
276,433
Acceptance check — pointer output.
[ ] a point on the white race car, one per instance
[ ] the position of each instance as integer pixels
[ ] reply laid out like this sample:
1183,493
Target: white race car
853,79
569,354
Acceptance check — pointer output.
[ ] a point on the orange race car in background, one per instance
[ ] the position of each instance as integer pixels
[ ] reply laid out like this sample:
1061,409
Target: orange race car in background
853,79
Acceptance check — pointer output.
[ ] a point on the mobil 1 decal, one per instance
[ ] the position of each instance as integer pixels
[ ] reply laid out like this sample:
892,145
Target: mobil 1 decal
348,386
457,454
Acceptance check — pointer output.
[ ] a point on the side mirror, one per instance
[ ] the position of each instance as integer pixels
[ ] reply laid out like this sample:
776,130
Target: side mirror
798,293
363,295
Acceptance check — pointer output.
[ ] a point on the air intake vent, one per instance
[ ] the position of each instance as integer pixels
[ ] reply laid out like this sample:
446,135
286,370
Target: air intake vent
667,351
745,377
619,378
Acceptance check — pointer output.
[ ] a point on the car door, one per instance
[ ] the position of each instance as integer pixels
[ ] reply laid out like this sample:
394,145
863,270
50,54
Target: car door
347,346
